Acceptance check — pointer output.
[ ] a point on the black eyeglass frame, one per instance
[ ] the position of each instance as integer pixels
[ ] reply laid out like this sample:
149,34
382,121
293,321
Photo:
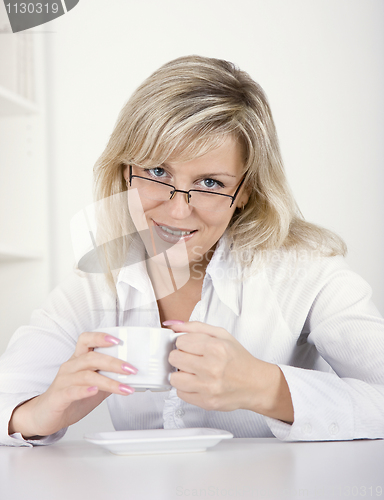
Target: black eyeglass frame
174,190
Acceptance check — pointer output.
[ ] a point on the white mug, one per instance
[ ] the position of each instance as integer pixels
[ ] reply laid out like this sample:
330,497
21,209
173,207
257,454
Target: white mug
147,349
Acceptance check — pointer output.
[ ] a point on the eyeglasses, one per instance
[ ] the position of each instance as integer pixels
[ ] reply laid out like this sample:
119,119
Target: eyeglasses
203,200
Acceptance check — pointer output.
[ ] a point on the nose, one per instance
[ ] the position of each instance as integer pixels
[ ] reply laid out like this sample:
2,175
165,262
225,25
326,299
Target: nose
178,205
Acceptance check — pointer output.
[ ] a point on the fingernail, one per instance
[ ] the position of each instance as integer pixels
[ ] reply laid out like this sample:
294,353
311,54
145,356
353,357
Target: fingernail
128,368
92,389
126,389
172,322
111,340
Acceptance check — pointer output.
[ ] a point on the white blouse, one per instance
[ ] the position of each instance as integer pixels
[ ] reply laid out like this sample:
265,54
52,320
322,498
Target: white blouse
310,315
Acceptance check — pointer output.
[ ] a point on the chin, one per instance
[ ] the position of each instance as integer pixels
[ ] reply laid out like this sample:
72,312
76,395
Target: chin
177,256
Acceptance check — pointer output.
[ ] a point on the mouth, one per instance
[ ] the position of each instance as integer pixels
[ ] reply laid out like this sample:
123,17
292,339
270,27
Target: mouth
173,234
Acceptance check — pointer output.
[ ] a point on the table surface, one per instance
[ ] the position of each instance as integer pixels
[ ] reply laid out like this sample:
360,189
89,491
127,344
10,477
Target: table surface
237,468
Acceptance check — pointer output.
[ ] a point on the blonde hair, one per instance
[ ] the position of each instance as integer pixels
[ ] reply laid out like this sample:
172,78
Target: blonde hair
185,109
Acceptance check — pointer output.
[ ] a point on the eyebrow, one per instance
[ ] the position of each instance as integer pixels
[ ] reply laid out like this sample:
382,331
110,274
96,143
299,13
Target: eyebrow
212,174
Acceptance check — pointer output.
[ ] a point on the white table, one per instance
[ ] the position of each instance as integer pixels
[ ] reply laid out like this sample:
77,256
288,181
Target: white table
234,469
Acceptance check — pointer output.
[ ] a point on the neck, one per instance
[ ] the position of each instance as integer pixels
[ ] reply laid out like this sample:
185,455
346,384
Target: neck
167,280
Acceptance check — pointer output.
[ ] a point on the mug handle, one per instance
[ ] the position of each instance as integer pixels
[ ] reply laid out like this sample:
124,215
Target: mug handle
174,336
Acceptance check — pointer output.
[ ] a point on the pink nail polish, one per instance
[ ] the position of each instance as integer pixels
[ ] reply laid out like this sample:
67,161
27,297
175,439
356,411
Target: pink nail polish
92,389
129,369
126,389
172,322
111,340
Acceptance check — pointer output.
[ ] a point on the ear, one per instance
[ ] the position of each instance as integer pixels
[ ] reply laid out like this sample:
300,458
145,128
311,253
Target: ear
242,200
126,173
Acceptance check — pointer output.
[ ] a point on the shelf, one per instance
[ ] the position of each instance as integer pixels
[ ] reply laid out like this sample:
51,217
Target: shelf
12,104
8,254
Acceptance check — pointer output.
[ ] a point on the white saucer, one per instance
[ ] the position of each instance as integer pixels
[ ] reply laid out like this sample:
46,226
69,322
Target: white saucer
154,441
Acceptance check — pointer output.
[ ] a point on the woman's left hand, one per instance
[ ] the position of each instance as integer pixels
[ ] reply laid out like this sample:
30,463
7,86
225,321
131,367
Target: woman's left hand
218,373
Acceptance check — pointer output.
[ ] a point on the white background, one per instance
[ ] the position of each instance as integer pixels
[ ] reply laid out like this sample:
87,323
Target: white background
320,62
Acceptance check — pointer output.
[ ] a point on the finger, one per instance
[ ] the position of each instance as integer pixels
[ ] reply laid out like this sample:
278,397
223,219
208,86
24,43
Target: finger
207,403
92,380
184,361
199,327
194,343
90,340
193,398
97,361
77,393
184,381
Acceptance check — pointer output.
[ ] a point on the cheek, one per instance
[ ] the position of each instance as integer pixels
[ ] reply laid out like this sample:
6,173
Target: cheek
218,221
138,209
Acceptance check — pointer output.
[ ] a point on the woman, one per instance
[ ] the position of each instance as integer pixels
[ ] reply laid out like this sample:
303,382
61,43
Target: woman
282,339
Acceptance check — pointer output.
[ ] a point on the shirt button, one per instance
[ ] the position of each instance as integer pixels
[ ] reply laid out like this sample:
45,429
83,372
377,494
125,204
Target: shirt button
306,429
179,413
333,429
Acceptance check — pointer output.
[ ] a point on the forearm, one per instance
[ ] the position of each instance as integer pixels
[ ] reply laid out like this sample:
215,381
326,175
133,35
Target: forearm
22,419
270,395
328,407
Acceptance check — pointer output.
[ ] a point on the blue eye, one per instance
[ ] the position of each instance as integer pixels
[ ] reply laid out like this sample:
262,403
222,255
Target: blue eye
154,172
212,184
158,171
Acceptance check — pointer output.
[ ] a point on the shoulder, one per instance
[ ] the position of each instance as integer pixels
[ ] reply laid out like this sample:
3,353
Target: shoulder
299,266
286,271
301,274
309,280
80,287
80,302
282,265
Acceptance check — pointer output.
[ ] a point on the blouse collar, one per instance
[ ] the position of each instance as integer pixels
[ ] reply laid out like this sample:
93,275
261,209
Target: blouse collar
222,270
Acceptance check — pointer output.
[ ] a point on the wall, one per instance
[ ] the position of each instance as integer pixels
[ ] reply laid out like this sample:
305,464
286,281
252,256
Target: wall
320,62
24,268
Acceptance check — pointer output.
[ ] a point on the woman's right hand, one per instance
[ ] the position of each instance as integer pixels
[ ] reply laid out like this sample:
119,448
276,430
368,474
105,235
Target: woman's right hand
76,390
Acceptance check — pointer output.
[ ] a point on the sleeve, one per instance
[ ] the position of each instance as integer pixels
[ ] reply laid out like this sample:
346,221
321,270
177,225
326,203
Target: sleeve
347,402
35,352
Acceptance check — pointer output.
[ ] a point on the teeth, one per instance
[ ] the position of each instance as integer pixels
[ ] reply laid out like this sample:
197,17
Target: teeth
176,233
